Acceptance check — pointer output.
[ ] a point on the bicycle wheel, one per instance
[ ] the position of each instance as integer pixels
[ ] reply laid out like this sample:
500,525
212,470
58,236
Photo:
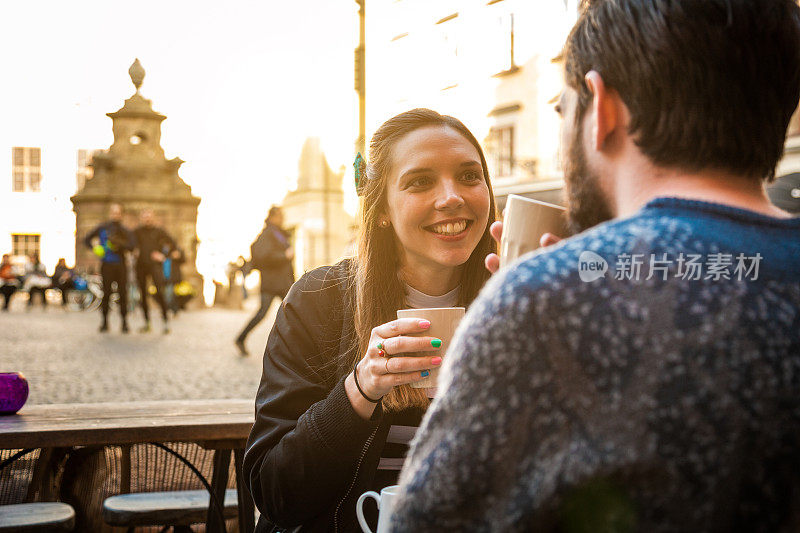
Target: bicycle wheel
94,303
78,300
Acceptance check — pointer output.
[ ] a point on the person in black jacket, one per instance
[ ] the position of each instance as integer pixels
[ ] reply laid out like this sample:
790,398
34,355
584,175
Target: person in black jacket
334,413
62,279
154,247
111,241
271,253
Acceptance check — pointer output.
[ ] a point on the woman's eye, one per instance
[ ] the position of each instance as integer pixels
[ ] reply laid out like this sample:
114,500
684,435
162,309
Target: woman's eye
422,181
472,176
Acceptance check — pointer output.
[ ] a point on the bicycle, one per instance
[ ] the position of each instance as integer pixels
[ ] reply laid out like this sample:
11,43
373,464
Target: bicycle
87,294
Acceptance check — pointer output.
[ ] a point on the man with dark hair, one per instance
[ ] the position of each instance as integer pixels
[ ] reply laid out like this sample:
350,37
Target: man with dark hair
271,254
644,374
111,242
154,247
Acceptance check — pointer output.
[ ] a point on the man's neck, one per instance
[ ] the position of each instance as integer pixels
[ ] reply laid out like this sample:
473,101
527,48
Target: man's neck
638,186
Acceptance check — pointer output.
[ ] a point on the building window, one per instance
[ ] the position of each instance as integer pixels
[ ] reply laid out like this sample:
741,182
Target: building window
26,169
25,244
500,148
500,31
85,171
446,51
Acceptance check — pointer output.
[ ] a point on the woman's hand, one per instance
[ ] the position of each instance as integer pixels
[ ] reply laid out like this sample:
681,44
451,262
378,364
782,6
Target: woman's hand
385,366
492,261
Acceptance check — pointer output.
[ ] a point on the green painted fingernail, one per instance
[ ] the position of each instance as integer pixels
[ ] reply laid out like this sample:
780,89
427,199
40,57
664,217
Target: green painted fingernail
436,343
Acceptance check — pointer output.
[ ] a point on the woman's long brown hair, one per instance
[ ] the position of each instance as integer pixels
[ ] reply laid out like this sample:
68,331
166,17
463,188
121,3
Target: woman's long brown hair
379,291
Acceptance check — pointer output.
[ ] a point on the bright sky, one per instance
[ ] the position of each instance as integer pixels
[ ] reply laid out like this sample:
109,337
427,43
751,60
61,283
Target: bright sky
242,83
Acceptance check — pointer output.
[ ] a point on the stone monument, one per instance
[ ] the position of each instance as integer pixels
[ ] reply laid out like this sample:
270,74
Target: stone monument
135,173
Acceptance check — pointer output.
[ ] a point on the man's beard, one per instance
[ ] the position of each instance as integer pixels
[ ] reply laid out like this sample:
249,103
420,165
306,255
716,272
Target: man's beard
587,205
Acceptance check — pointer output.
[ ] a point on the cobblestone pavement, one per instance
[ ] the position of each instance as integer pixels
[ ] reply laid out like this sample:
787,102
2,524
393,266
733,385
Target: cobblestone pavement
66,360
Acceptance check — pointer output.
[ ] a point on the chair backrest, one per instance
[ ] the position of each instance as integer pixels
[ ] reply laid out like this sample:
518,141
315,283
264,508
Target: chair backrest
93,474
16,476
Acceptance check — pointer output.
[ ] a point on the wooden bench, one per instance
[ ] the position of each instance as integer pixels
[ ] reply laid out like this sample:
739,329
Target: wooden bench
36,517
172,508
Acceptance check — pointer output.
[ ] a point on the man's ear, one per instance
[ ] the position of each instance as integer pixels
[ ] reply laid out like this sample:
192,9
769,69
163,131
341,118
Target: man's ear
605,110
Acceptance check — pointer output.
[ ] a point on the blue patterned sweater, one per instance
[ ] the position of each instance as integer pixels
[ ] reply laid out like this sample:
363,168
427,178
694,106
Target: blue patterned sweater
644,375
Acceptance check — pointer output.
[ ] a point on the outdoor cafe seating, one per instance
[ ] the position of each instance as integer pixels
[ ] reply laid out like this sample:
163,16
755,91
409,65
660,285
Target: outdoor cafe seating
144,465
159,490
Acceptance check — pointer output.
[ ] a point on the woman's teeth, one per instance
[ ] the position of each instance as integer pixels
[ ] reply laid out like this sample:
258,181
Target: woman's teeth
450,228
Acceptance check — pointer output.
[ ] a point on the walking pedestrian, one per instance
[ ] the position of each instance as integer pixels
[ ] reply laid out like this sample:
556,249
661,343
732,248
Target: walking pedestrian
271,254
155,251
111,241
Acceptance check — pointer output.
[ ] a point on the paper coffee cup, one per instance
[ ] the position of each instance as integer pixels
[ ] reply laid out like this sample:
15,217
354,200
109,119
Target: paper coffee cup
525,222
444,321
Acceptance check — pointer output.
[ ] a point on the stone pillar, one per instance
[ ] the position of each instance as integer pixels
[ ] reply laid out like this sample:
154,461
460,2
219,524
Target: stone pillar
135,173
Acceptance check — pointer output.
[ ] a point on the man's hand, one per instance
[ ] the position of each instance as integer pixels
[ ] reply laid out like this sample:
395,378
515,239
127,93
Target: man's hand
492,261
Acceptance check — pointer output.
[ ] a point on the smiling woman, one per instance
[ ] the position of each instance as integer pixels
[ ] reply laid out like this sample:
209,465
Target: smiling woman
437,201
335,409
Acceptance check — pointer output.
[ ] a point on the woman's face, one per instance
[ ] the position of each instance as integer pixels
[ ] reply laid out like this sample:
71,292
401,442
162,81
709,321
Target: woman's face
437,198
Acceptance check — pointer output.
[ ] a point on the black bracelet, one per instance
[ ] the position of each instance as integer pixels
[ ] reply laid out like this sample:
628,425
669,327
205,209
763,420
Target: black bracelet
355,378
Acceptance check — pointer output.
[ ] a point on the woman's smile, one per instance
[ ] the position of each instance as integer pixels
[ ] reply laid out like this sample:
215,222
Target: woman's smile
452,229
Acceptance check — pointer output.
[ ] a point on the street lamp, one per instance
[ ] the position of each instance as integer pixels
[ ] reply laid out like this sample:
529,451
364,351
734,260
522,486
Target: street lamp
360,82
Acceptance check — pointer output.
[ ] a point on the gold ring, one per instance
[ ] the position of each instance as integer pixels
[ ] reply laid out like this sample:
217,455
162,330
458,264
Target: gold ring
387,366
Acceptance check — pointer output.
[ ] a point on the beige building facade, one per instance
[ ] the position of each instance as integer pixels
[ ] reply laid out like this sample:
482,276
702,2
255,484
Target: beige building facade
314,212
38,177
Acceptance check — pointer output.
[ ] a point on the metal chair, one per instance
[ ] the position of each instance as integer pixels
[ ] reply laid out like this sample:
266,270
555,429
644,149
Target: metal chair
94,475
24,475
172,509
39,517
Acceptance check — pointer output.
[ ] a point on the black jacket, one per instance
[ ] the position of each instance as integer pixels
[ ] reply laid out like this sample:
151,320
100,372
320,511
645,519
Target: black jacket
268,255
310,455
151,239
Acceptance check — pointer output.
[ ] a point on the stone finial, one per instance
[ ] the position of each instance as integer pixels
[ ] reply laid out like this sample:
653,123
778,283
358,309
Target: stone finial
137,74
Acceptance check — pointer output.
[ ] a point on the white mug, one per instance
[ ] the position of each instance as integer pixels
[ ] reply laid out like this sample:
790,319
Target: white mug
385,502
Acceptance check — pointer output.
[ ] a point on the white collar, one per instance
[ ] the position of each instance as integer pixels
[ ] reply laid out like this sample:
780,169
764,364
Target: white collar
419,300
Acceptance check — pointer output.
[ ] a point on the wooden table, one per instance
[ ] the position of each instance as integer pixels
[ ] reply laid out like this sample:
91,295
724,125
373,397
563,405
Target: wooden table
221,425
